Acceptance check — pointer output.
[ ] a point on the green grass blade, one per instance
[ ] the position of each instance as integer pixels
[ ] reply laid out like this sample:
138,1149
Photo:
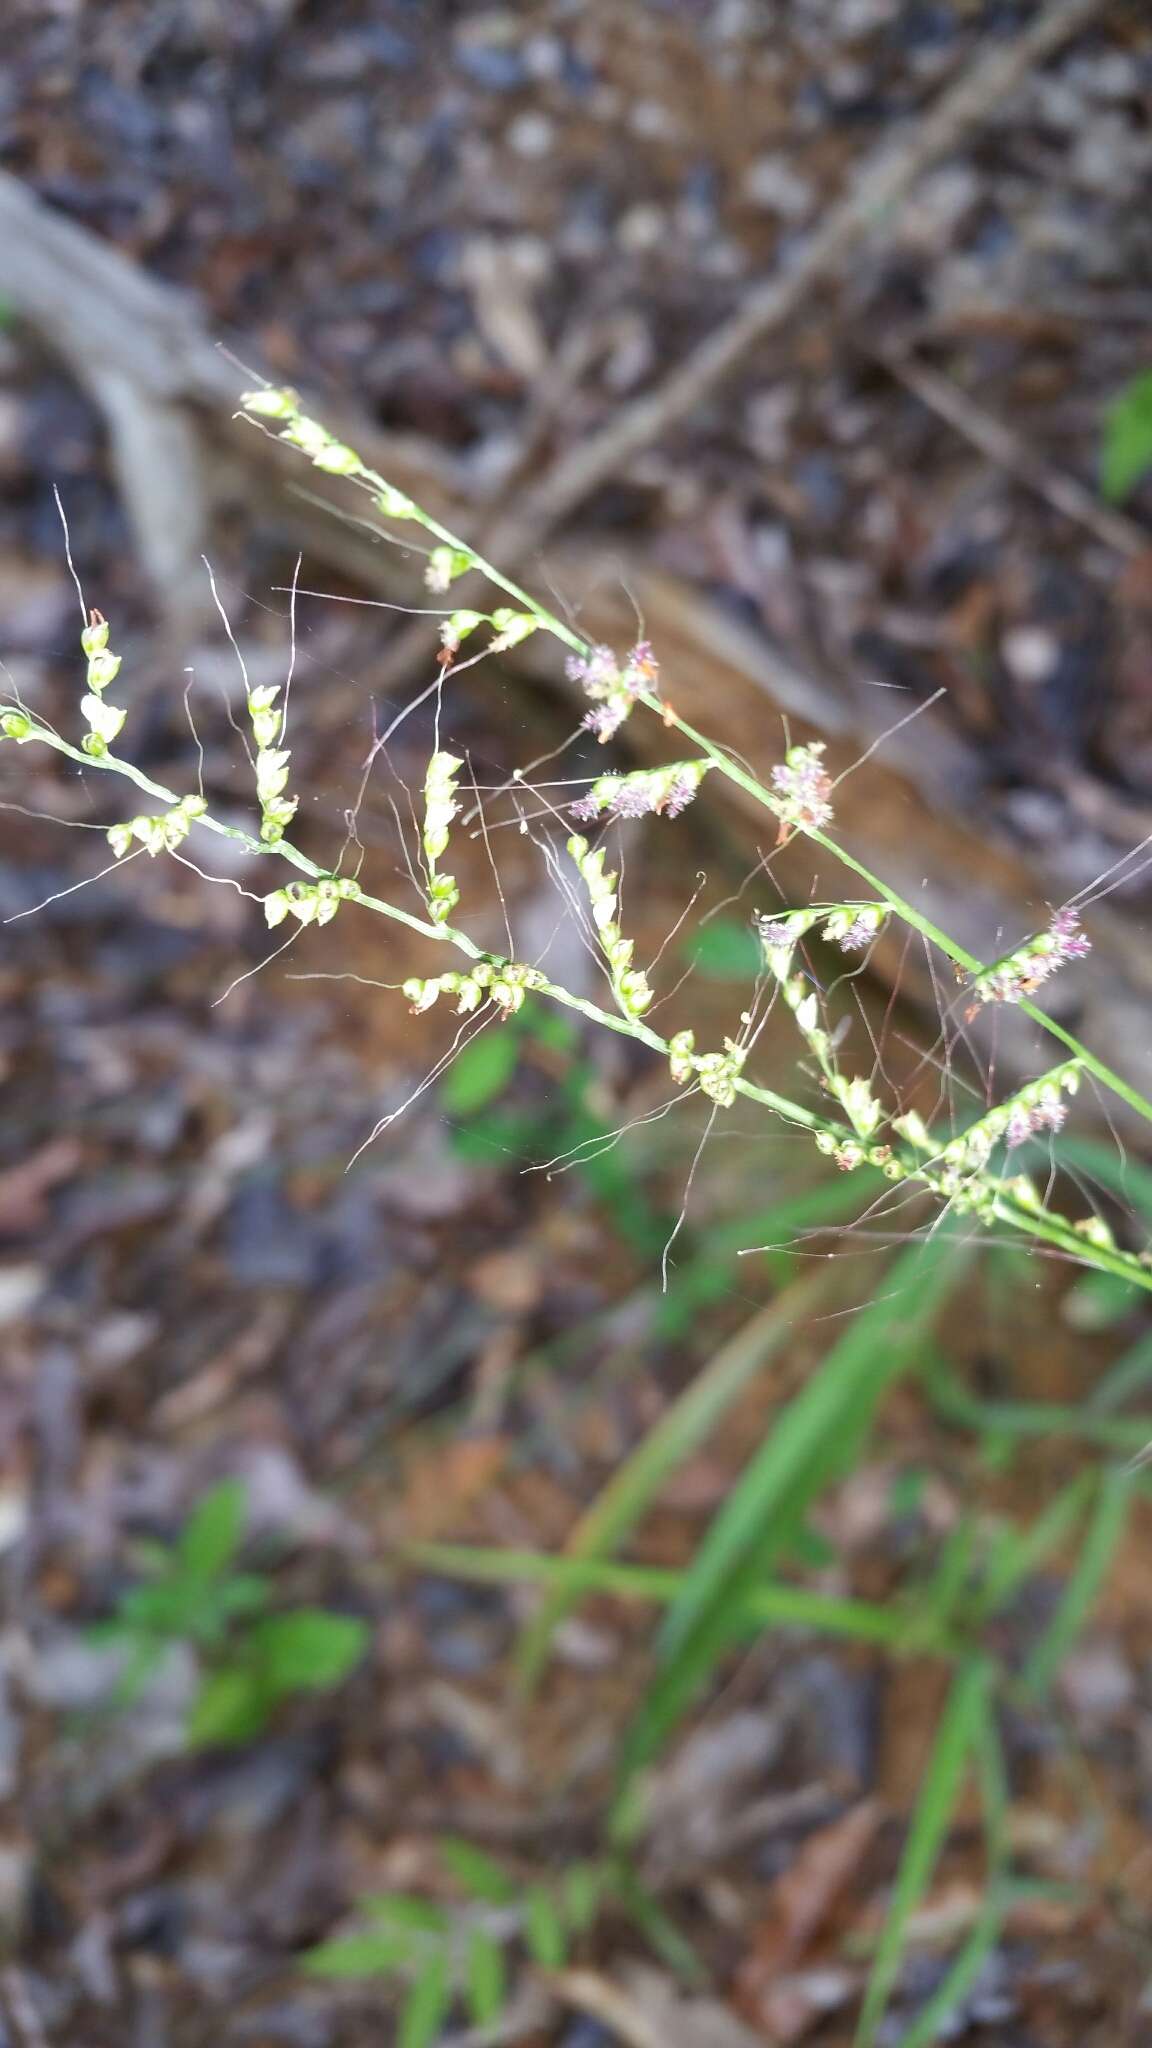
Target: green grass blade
818,1433
1123,1434
787,1606
683,1427
660,1930
958,1736
814,1439
1027,1549
929,2023
1105,1529
1126,1178
940,1596
1130,1375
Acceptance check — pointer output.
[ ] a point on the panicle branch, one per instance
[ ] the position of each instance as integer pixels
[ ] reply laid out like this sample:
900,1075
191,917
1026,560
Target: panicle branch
967,1171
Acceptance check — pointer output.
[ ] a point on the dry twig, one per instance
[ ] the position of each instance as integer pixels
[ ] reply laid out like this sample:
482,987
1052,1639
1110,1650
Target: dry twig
1009,451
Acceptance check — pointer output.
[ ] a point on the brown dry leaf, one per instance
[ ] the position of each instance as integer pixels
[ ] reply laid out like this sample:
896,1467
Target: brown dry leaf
442,1482
802,1901
807,1893
792,2007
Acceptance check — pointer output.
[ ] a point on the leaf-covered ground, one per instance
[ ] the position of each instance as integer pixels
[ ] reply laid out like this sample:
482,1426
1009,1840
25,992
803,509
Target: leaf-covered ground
491,227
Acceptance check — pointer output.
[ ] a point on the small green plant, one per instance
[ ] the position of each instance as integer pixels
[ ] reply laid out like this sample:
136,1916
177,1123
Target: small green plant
564,1127
465,1954
250,1659
1126,451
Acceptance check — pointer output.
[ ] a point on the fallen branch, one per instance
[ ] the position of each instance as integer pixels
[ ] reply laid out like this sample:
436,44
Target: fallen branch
884,183
880,190
1004,447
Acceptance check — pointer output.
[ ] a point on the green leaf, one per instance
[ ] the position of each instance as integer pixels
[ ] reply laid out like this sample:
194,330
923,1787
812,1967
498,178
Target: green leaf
959,1732
159,1607
306,1649
211,1536
357,1955
548,1027
477,1872
544,1930
480,1072
426,2007
402,1910
243,1595
1094,1556
231,1708
485,1977
725,949
582,1888
1126,452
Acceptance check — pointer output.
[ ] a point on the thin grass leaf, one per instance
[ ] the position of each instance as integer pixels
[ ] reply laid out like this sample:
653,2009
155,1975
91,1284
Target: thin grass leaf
485,1977
818,1433
660,1930
427,2004
1021,1419
1130,1375
706,1274
1127,1178
937,1601
581,1891
966,1966
816,1438
478,1874
1098,1547
786,1606
1099,1301
1025,1550
957,1737
684,1426
544,1930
